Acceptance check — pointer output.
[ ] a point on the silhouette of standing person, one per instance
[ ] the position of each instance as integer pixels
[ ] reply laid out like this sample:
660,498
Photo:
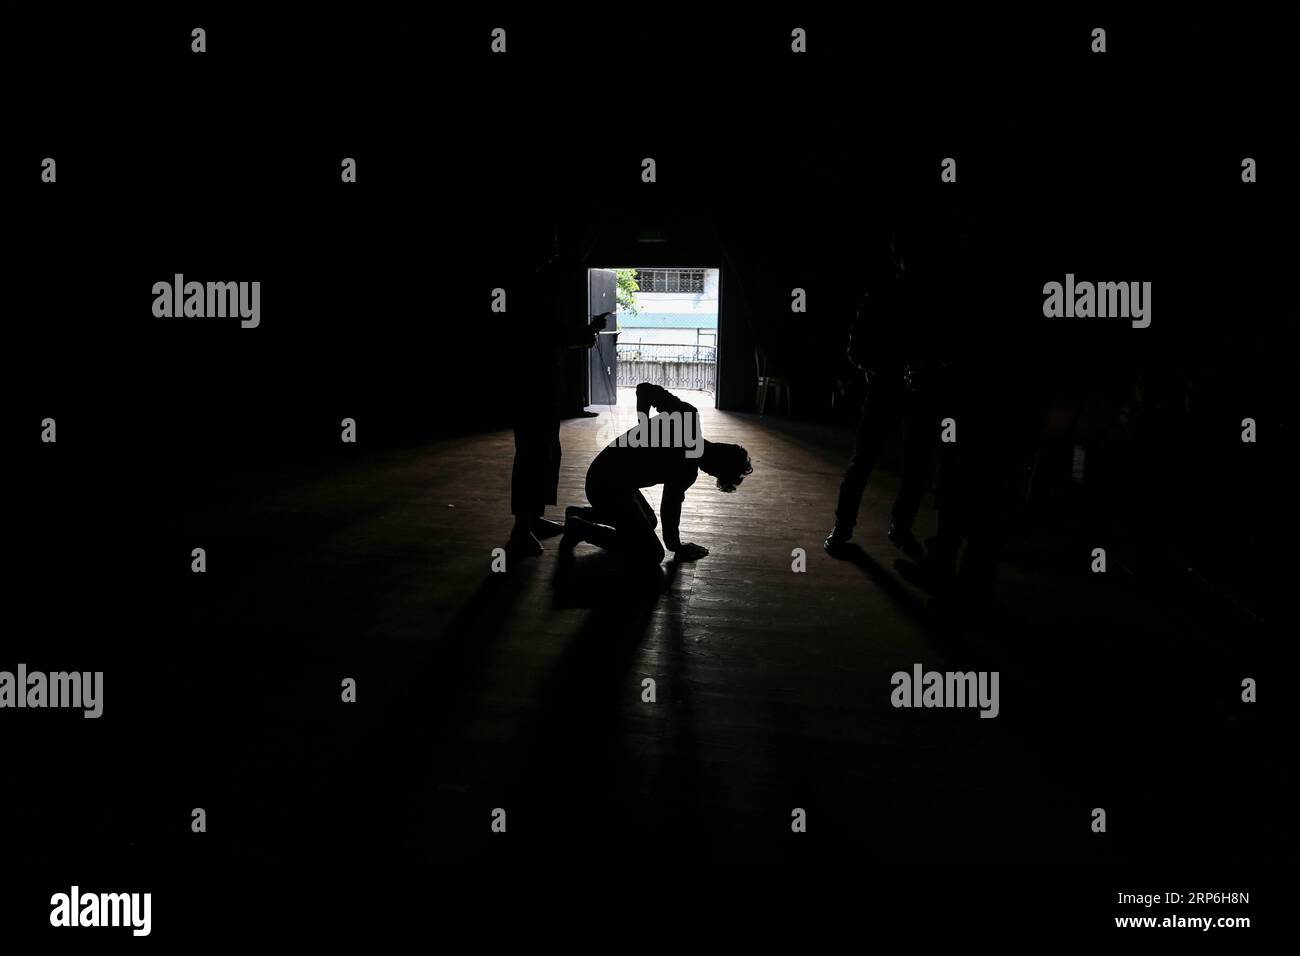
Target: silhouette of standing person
667,450
995,400
552,321
886,344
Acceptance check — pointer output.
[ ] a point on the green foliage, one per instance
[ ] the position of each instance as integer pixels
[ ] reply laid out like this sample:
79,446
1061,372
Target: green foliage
627,285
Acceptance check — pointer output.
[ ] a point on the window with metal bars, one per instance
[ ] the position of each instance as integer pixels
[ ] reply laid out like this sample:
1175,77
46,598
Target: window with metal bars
670,280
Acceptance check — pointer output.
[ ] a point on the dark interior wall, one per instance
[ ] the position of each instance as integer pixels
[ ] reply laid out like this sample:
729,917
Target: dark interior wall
785,171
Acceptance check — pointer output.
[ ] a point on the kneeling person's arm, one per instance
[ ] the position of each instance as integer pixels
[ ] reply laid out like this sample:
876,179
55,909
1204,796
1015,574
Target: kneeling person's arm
670,516
661,399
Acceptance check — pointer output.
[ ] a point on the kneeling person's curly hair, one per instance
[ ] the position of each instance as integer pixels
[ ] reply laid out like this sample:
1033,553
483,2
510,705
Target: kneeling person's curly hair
730,466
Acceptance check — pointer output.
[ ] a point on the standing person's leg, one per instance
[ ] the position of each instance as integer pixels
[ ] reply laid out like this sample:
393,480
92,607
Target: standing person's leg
954,506
920,435
523,502
879,413
989,506
529,479
548,477
935,570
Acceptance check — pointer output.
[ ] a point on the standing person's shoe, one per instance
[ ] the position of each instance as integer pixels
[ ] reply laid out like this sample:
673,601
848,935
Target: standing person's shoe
838,538
905,541
523,542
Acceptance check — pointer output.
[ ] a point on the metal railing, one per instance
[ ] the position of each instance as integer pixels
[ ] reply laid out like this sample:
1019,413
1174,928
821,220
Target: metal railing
670,366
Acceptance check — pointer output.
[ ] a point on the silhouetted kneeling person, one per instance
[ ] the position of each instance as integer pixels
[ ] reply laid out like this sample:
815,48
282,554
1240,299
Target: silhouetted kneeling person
666,449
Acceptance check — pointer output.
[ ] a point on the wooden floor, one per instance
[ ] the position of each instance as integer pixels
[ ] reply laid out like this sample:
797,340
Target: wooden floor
523,690
773,685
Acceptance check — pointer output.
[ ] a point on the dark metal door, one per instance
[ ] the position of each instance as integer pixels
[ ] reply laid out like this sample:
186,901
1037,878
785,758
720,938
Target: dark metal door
603,359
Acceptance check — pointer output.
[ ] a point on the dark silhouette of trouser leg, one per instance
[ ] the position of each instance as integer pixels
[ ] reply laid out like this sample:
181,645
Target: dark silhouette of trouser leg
535,477
879,418
940,562
973,507
987,511
919,437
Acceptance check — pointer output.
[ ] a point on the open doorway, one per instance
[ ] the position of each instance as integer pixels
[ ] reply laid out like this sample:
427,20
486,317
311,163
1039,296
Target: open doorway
665,333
